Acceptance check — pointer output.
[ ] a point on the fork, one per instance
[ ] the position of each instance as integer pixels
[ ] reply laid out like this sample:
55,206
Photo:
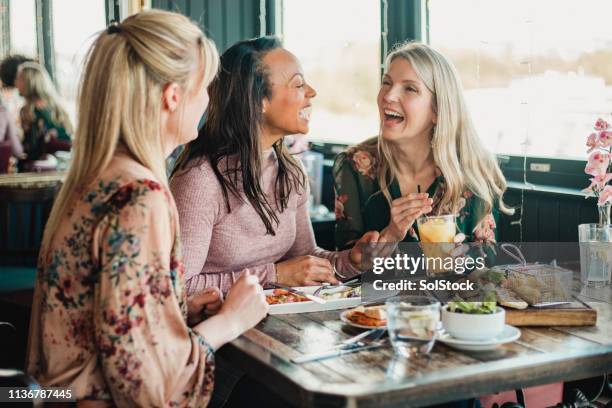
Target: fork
326,285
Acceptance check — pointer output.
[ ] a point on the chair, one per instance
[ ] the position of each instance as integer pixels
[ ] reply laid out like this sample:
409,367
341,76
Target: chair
23,214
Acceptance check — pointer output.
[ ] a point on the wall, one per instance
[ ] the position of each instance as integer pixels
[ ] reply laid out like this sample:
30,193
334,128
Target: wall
225,21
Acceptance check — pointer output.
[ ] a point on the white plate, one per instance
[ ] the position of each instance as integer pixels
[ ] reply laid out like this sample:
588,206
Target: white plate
310,306
509,334
345,319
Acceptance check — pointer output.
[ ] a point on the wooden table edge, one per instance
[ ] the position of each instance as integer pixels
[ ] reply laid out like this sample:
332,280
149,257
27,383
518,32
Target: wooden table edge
310,391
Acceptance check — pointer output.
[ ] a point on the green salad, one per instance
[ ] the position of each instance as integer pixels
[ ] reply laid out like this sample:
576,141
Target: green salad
487,306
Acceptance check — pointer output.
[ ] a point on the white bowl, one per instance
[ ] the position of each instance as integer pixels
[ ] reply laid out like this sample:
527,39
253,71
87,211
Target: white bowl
466,326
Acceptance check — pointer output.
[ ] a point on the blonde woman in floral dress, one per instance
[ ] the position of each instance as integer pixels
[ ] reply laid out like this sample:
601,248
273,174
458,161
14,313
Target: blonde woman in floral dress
110,316
427,140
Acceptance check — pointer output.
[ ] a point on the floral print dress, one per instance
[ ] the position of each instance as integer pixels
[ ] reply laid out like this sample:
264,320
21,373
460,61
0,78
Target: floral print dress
109,310
361,206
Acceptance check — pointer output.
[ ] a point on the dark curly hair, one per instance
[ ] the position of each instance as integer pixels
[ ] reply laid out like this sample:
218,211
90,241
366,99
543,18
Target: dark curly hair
8,68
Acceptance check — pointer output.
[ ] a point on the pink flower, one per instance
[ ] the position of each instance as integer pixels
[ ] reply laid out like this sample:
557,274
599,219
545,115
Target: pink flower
606,195
598,163
605,138
364,163
598,183
593,142
601,124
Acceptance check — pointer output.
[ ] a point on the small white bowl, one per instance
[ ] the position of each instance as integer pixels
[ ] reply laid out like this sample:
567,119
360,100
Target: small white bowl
466,326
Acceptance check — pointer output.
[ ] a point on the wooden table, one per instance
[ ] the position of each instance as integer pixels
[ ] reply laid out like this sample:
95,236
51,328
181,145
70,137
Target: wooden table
32,180
376,379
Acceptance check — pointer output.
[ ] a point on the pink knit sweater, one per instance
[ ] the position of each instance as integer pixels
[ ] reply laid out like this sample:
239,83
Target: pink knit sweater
218,246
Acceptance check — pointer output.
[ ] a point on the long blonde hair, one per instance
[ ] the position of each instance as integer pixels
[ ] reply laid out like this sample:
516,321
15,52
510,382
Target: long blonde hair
457,150
120,95
37,86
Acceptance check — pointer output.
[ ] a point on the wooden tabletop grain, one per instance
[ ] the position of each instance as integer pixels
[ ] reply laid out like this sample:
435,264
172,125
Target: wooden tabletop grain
379,379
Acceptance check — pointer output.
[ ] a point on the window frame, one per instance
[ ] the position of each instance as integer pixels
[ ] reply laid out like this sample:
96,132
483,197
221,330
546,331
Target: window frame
395,27
45,46
566,174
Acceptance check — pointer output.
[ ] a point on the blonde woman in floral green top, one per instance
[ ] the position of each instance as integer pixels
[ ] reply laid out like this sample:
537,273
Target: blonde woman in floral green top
427,141
110,315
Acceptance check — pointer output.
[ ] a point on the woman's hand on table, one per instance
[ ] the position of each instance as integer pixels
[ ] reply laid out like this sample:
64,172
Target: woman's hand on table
305,270
404,211
203,304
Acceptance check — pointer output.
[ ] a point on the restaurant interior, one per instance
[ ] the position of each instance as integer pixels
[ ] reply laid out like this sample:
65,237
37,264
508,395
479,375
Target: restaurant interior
537,80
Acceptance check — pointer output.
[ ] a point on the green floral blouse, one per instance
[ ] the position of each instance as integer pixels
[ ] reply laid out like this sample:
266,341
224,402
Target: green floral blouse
41,133
361,206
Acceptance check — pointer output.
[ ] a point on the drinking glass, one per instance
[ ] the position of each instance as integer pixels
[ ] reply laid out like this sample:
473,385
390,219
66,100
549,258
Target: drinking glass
413,323
437,234
595,254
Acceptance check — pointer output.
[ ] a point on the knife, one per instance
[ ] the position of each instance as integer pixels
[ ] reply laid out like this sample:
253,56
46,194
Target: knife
298,292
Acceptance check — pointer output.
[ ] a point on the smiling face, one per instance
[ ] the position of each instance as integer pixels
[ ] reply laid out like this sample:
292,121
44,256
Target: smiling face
287,111
404,104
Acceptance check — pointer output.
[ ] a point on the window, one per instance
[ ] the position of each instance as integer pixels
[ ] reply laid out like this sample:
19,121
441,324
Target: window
72,38
23,27
536,73
338,44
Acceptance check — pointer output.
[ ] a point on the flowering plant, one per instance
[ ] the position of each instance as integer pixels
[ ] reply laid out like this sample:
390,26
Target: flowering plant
599,164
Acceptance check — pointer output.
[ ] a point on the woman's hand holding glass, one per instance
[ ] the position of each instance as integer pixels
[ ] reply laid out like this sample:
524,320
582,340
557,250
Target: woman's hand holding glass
404,212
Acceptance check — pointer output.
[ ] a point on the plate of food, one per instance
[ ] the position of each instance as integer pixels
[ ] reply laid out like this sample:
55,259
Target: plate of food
282,301
365,317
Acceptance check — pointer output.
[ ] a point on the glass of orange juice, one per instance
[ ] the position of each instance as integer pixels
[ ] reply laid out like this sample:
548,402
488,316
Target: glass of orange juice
437,234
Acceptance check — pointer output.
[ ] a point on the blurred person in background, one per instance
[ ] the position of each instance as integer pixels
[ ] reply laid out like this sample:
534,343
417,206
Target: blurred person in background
11,147
45,123
8,92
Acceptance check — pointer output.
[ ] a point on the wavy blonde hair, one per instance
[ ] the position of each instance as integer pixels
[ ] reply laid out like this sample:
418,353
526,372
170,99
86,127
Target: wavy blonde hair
120,95
457,150
37,86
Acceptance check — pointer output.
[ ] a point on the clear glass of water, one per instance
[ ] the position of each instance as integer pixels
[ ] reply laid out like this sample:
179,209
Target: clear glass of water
413,323
595,254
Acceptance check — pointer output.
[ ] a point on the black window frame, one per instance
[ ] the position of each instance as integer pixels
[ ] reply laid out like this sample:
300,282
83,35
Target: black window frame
401,20
563,173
